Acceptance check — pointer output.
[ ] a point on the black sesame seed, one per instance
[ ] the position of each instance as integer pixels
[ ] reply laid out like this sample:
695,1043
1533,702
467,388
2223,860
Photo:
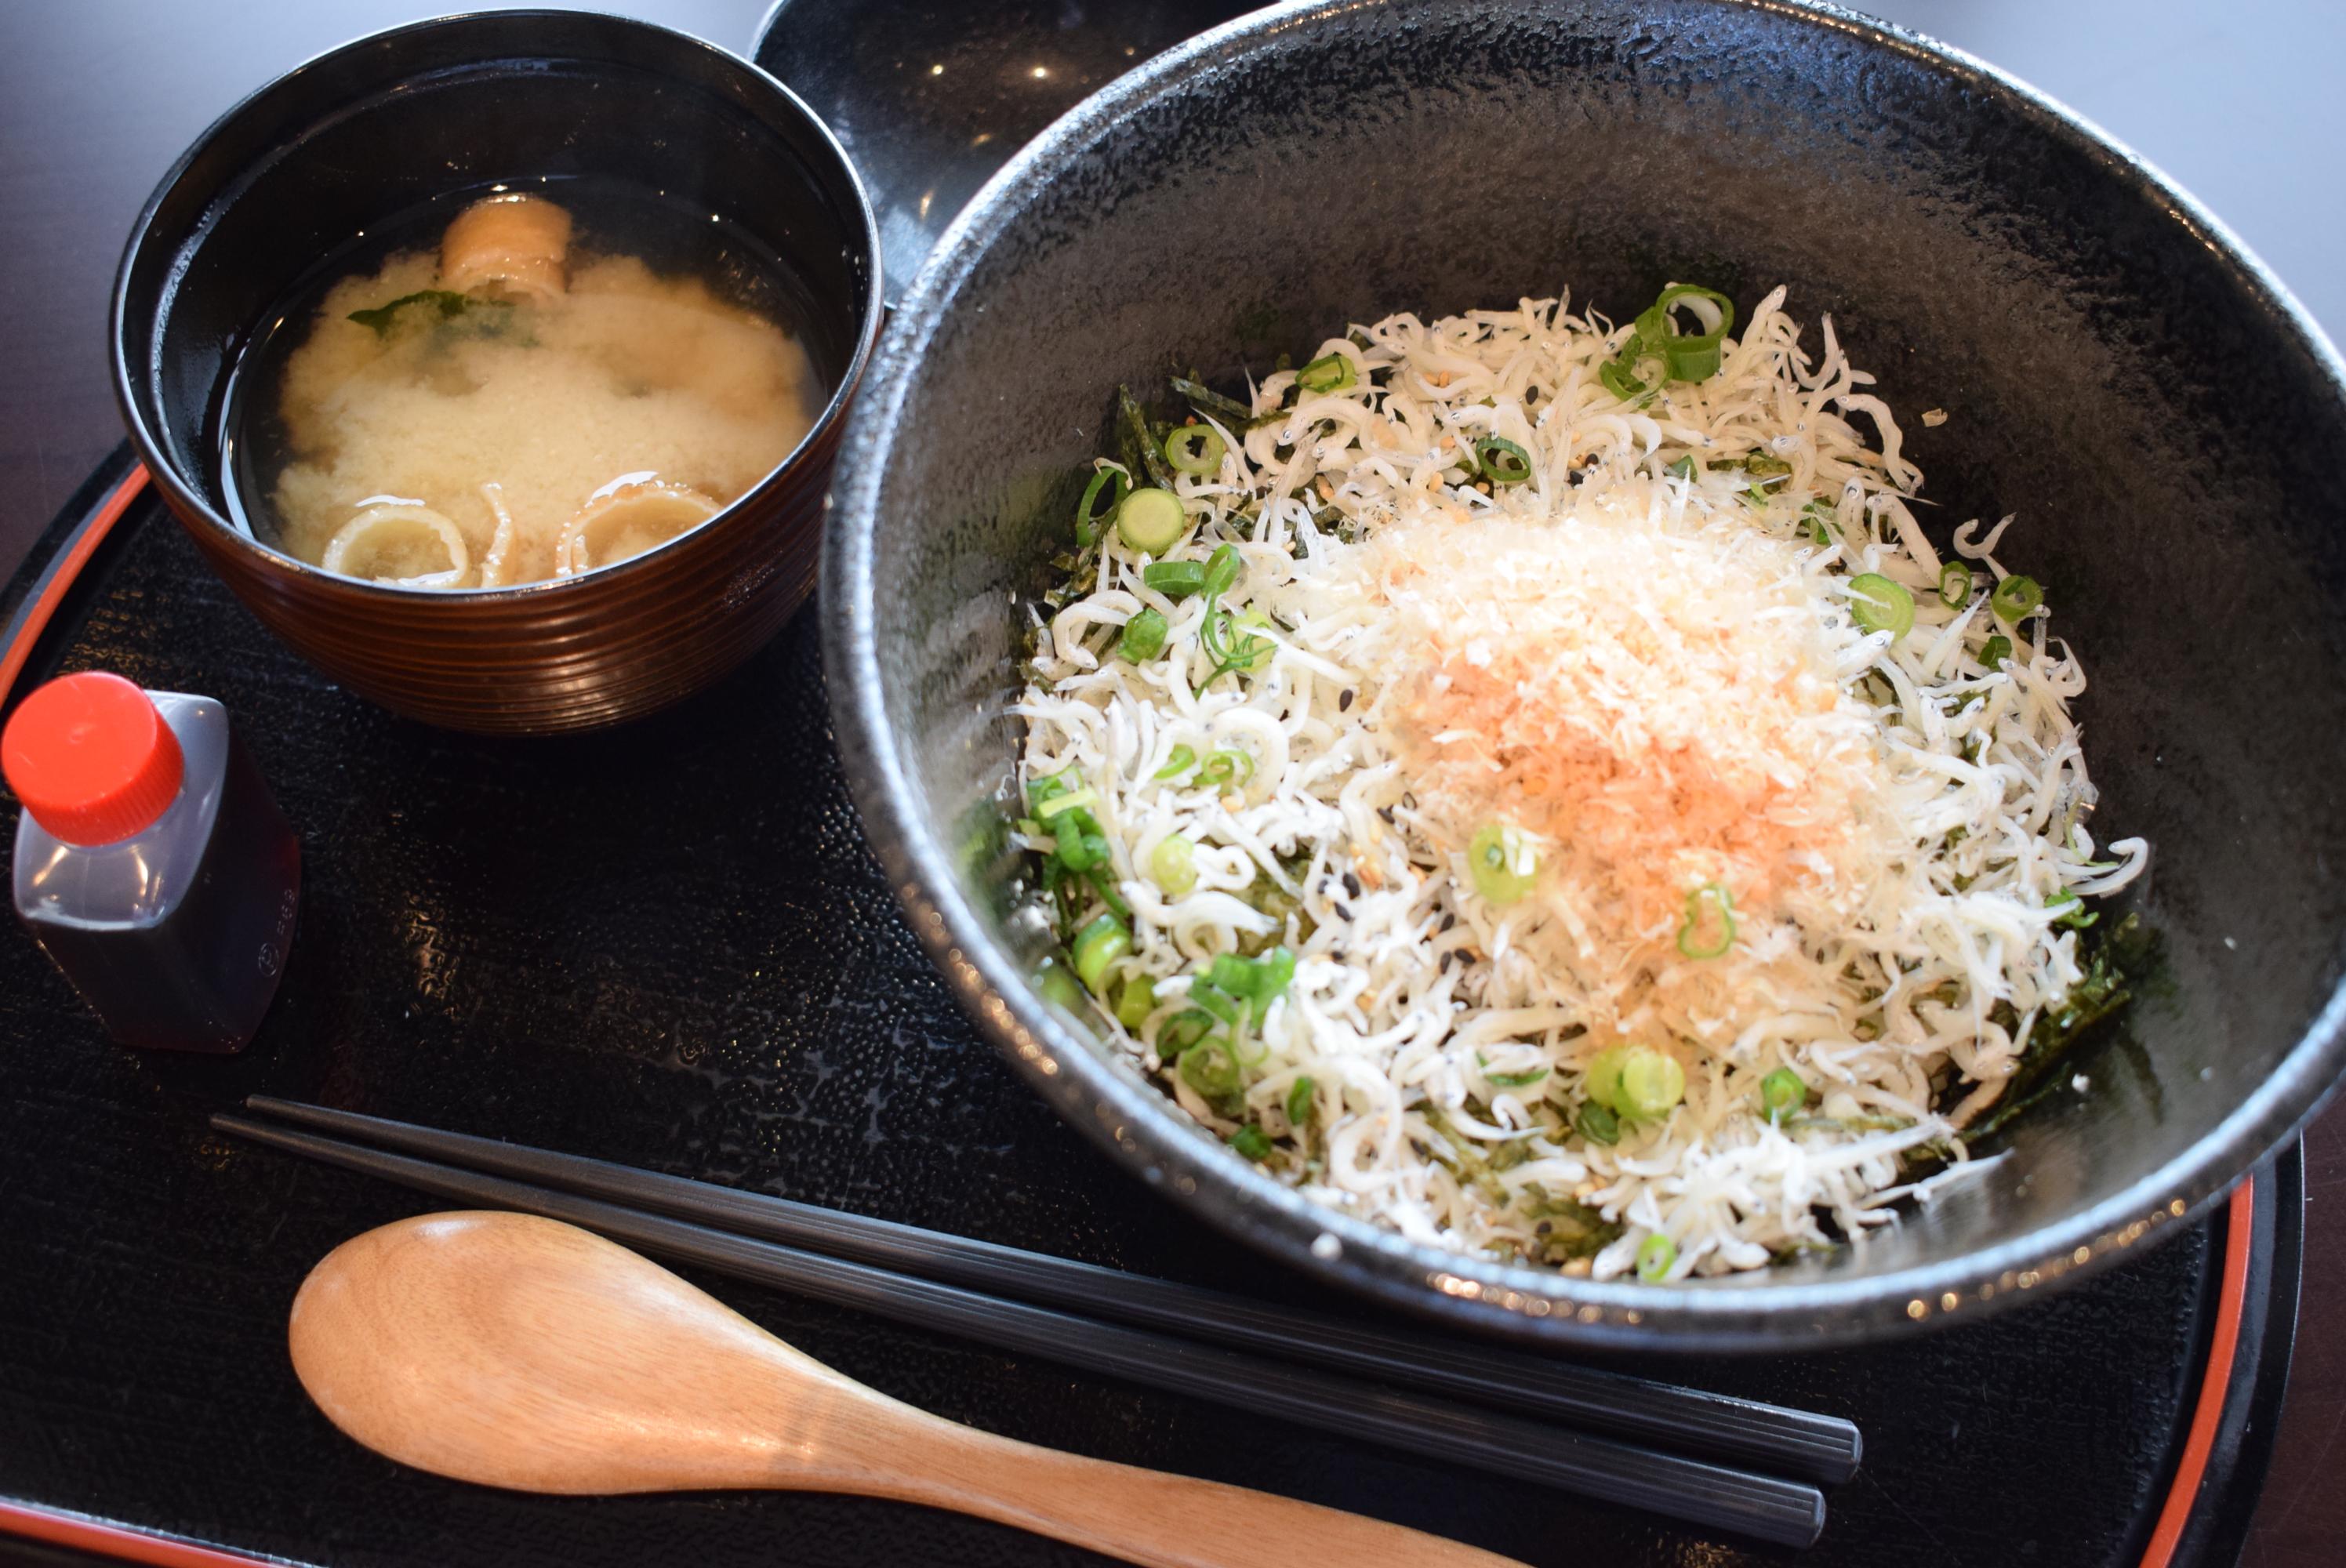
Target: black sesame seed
1544,1226
1344,700
1342,912
1449,921
1448,958
1352,884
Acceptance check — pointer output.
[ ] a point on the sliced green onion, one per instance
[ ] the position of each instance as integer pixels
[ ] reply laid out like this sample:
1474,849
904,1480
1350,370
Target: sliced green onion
1997,649
1252,1142
1676,292
1151,519
1244,652
1178,762
1222,569
1226,769
1257,980
1249,652
1879,604
1183,1030
1602,1078
1078,850
1143,637
1195,449
1655,1255
1502,863
1078,841
1328,373
1136,1001
1098,945
1211,1068
1233,975
1052,979
1173,865
1597,1124
1502,461
1710,928
1300,1099
1105,888
1174,579
1822,516
1652,1084
1051,786
1693,357
1955,584
1616,377
1680,467
1688,356
1088,522
1685,357
2073,911
1514,1080
1781,1093
1214,999
1074,799
2016,597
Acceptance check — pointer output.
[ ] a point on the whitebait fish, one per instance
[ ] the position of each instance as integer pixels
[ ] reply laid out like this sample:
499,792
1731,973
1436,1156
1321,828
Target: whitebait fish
1535,785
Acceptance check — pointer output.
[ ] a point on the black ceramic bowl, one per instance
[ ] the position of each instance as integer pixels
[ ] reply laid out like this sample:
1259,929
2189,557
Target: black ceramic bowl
2117,370
369,135
930,97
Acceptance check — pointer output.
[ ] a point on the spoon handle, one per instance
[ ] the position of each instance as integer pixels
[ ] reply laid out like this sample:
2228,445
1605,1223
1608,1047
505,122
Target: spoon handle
1149,1517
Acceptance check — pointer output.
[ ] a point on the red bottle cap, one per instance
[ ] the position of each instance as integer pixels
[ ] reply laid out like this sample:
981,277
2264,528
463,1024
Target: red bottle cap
91,759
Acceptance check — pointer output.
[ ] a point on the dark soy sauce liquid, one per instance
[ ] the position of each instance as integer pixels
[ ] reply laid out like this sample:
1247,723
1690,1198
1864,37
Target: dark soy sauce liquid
609,217
200,978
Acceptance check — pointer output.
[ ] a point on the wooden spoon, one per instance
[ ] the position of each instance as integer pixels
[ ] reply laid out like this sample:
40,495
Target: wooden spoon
517,1351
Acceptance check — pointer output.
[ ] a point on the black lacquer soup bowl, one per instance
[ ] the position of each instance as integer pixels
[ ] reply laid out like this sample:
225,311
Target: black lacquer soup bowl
2116,369
442,111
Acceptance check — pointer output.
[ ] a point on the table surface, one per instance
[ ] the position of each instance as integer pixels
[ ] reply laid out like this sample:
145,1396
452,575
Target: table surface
97,98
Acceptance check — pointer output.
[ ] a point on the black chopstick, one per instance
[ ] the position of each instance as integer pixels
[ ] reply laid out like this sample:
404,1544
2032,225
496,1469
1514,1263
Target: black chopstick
1695,1491
1686,1420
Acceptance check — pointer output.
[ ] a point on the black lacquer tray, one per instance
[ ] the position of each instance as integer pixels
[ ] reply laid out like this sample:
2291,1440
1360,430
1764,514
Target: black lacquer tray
667,945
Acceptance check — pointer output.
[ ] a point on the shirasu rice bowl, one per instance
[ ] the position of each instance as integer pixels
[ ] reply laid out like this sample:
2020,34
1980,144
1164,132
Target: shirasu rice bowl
1533,784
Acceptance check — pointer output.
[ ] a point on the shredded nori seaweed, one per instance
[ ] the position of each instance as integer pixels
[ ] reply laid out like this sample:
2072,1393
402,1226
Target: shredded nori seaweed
2115,967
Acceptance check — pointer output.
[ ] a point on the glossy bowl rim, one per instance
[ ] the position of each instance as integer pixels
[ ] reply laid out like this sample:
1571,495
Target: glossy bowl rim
189,502
1147,1132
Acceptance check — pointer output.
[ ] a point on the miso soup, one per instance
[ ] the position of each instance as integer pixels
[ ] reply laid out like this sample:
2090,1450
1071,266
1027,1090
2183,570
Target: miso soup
527,386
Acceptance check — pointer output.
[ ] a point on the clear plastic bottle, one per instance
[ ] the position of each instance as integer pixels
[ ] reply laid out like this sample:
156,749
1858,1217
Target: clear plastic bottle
152,864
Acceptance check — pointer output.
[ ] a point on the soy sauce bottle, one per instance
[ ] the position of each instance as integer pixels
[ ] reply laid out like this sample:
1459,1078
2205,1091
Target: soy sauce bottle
152,864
